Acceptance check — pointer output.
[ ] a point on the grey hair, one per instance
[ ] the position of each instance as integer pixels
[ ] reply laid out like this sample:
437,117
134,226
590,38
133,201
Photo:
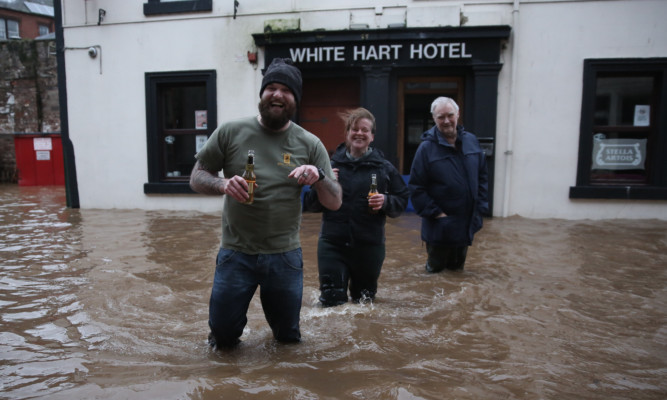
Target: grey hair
443,100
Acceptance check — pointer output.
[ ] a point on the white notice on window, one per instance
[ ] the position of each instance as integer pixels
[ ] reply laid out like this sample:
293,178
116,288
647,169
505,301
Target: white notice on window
200,141
642,115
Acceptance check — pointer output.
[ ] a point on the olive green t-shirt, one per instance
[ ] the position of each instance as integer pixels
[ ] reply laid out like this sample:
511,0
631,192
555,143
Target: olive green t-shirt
271,224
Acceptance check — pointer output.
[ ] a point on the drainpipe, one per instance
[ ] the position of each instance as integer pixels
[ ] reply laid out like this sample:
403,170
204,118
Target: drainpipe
512,107
71,186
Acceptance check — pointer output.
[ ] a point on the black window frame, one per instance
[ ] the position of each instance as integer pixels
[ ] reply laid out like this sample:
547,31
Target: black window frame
157,7
656,188
156,184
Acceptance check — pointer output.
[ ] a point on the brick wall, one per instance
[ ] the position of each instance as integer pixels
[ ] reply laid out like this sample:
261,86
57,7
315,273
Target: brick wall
7,159
28,95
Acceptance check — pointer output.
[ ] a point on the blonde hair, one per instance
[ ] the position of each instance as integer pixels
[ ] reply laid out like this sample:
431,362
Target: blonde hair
350,117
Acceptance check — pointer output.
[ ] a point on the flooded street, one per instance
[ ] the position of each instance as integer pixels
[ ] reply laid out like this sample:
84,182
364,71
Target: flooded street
113,304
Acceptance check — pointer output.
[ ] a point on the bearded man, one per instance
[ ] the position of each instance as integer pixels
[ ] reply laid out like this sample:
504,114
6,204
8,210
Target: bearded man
260,241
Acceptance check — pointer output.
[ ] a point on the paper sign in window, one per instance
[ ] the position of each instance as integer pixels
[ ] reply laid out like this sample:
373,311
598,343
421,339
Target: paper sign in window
200,141
201,119
642,115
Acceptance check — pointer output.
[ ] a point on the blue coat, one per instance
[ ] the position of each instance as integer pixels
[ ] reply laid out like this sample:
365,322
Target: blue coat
453,180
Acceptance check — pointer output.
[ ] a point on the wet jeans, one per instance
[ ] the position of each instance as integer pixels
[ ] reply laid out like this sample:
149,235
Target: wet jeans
237,275
338,264
445,257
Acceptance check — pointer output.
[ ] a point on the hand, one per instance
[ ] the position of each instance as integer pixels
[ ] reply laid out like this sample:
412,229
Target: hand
441,215
237,188
335,171
305,174
376,201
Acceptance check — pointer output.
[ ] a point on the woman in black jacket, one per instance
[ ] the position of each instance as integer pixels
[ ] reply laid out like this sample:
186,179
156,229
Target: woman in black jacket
351,247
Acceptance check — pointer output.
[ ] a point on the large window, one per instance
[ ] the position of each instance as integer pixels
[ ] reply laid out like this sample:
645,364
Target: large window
9,29
623,137
181,114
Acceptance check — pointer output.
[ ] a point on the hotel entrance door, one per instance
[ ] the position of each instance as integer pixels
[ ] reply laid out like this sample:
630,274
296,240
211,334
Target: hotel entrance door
415,95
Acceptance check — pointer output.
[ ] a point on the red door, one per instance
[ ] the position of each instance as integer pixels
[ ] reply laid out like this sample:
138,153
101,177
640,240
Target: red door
39,160
322,101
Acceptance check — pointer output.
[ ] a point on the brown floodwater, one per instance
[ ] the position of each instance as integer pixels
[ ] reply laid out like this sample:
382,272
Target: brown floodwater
113,304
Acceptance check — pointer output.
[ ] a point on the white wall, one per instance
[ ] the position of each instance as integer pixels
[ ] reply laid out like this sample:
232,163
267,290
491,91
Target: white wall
553,41
107,111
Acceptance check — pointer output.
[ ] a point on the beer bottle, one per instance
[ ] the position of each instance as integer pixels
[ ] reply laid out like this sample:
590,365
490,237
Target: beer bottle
249,176
373,190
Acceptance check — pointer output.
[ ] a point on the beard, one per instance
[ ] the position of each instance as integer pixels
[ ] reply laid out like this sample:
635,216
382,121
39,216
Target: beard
275,120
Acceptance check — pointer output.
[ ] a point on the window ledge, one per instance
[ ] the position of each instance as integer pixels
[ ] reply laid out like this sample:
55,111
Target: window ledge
619,192
168,188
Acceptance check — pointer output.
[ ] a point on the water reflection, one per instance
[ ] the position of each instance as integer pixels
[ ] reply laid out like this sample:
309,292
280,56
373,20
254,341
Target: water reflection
113,304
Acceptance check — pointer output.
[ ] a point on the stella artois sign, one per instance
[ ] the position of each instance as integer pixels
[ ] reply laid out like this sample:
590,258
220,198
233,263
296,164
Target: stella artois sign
619,153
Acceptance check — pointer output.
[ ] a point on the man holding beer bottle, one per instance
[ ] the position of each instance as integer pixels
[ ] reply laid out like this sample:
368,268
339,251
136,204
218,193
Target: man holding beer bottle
260,241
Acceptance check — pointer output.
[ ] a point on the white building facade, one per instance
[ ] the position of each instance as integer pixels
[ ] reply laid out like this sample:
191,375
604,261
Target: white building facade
569,98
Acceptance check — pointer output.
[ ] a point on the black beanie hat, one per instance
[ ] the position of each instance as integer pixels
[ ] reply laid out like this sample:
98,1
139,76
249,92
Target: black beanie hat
283,70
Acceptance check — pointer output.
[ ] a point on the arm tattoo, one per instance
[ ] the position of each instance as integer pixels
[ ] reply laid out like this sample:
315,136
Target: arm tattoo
329,193
329,185
205,181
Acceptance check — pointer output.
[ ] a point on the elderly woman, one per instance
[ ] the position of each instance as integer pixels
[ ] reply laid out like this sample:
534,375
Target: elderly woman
351,247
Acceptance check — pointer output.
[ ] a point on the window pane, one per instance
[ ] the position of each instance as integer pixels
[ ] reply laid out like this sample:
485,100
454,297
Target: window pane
3,31
623,101
13,29
179,151
43,30
183,111
619,154
179,103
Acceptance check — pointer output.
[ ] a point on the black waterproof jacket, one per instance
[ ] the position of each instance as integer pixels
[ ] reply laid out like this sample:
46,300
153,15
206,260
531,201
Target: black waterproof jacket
453,180
352,224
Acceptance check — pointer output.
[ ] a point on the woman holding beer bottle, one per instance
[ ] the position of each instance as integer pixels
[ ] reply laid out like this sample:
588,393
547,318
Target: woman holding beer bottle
351,247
